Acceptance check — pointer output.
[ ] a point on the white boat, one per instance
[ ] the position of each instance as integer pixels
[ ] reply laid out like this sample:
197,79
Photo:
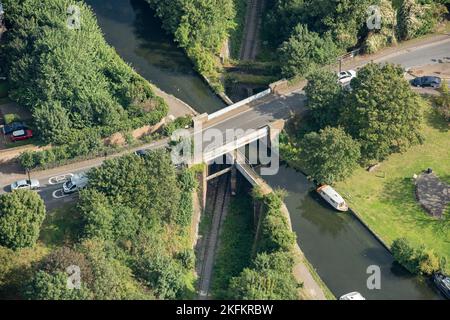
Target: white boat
352,296
332,197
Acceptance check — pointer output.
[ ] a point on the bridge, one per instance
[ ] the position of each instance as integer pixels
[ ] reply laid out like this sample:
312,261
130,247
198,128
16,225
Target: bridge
258,116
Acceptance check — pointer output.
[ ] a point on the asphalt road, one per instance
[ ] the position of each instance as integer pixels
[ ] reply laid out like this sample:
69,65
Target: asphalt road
268,110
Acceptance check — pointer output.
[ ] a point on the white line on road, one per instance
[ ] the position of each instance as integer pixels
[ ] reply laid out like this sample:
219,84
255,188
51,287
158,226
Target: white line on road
60,179
62,195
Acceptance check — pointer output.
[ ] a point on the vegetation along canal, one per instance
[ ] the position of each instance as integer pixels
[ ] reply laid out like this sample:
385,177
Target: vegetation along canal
340,247
337,245
131,28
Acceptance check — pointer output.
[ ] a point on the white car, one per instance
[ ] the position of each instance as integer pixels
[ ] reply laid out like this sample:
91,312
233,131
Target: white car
352,296
76,183
345,77
25,184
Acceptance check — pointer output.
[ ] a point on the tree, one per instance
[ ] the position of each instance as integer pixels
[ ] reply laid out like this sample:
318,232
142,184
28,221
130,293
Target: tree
442,102
324,98
45,286
382,112
270,278
330,155
416,18
21,215
70,78
304,51
416,260
378,39
163,275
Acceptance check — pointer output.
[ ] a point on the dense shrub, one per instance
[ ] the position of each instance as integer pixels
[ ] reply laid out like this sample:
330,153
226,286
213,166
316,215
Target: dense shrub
71,79
270,278
275,232
21,215
416,260
199,26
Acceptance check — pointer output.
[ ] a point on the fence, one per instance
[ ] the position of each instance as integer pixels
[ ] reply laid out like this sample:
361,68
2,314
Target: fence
239,104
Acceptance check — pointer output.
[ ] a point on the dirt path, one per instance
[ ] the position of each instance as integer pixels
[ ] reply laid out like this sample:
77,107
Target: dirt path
218,208
250,42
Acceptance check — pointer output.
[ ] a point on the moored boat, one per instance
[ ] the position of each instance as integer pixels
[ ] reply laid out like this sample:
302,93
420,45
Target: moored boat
332,197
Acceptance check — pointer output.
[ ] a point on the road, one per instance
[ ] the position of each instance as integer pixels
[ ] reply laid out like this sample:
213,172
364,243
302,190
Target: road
254,117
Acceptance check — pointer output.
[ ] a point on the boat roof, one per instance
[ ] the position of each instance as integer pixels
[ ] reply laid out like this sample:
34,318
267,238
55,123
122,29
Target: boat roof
329,191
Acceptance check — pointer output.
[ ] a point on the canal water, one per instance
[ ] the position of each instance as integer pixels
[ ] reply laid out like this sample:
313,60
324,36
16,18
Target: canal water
341,248
338,246
131,28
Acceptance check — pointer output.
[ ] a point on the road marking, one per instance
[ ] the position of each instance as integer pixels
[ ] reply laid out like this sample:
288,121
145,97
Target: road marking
60,179
59,194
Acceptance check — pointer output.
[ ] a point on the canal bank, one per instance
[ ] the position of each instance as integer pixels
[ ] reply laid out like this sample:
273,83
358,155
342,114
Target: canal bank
341,248
132,29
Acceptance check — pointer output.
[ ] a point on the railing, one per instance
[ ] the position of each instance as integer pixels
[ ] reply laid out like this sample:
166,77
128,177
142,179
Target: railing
239,104
236,144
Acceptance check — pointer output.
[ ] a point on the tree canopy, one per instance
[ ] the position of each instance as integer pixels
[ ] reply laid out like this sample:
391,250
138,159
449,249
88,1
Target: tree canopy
70,79
330,155
21,215
382,112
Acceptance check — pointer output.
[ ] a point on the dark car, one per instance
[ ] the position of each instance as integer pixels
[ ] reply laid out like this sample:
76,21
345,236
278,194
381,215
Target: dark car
443,284
141,153
427,82
14,126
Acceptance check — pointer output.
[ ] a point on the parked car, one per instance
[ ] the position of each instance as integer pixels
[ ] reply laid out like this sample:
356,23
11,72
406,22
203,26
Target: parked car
32,184
141,153
345,77
14,126
443,283
352,296
22,134
427,82
76,183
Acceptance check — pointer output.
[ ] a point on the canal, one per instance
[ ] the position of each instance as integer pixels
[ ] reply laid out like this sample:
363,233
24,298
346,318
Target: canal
131,28
341,248
338,245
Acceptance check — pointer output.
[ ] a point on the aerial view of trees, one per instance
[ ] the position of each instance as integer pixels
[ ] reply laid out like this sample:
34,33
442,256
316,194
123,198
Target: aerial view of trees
70,78
21,216
133,236
342,25
199,26
379,116
270,274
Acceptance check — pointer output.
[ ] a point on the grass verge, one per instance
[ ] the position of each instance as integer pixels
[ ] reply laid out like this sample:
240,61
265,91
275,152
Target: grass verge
385,199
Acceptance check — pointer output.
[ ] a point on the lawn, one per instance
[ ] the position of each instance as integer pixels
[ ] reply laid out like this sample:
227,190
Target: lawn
385,199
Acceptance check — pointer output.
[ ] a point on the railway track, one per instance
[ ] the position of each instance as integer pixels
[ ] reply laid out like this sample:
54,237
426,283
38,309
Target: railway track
250,43
220,195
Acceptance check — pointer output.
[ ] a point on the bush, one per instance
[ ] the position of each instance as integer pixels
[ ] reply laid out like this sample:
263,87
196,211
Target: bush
270,278
21,215
416,260
72,79
275,232
10,118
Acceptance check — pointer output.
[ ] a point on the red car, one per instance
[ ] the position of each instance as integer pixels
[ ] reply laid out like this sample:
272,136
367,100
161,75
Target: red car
19,135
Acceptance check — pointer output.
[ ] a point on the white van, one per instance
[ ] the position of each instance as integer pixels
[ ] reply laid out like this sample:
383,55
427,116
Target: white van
76,183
